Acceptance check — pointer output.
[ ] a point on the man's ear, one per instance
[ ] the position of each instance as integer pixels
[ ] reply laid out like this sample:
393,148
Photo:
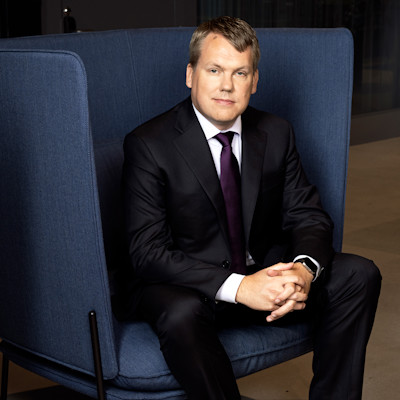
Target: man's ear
255,82
189,74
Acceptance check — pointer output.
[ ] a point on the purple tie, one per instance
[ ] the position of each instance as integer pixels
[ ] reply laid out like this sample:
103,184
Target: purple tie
230,184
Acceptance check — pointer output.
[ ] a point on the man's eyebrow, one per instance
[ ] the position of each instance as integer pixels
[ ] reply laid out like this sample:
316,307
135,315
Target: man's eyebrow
242,67
211,64
248,67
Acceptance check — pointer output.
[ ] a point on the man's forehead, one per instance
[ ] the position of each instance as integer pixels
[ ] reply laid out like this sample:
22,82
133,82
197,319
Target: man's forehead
223,50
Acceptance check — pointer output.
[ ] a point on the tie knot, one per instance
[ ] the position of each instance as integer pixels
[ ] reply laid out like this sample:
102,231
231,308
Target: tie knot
225,138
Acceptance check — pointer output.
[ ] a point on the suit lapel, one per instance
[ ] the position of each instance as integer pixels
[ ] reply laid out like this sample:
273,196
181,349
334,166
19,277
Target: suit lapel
193,147
253,150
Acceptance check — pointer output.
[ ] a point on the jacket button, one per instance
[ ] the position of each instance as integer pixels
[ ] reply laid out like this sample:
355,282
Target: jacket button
226,264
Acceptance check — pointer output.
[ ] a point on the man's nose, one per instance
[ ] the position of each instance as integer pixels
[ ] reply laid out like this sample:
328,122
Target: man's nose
226,83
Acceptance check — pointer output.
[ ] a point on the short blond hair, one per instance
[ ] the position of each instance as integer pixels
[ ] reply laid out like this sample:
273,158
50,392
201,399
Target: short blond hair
238,32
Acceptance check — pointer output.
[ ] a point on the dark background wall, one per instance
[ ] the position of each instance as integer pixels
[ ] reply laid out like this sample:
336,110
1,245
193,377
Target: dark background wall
20,18
34,17
119,14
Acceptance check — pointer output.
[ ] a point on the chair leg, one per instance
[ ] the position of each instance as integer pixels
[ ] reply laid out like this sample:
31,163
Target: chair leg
96,355
4,378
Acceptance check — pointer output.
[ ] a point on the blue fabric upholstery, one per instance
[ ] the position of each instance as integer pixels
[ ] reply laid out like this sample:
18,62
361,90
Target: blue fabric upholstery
50,235
66,102
254,349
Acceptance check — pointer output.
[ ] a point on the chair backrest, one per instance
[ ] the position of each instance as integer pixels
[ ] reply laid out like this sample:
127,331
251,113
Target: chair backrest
306,76
52,264
55,106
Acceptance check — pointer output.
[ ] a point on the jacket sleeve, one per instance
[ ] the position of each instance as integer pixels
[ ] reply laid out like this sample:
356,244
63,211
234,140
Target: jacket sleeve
154,256
309,226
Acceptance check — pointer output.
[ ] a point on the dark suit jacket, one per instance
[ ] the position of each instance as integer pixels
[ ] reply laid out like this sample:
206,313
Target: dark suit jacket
175,216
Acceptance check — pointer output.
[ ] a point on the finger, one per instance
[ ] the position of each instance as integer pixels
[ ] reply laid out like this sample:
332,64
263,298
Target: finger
297,280
280,267
282,311
288,292
299,306
286,279
299,297
289,306
298,300
273,272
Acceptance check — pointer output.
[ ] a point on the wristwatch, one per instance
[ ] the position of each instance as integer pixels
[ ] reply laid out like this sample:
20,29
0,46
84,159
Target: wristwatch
310,266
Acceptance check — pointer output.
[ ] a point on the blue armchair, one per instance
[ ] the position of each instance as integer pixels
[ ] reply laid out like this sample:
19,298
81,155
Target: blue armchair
66,103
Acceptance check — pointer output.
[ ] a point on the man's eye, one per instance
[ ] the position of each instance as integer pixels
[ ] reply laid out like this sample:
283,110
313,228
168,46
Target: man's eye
241,73
213,71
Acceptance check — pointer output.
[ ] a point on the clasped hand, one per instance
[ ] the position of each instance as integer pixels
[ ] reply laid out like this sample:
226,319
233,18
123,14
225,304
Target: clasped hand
281,288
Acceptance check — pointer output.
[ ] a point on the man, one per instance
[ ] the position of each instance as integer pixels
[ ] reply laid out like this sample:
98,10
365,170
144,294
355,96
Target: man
224,228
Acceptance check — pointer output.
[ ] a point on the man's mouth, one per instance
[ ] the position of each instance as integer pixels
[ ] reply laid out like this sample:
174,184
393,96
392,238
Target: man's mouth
224,102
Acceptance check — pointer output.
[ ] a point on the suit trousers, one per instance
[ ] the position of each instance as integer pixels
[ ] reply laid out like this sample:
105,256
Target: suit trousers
341,306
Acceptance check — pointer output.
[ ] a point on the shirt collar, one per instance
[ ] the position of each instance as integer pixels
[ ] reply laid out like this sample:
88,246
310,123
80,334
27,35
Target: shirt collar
211,130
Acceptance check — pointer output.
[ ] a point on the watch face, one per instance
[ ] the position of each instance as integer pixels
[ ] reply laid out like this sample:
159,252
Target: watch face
309,265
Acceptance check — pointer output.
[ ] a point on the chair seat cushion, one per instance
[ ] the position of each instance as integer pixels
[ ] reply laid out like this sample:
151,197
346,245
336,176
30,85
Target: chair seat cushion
250,348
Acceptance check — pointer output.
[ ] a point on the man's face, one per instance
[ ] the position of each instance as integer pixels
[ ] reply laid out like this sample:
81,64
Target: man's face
222,81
